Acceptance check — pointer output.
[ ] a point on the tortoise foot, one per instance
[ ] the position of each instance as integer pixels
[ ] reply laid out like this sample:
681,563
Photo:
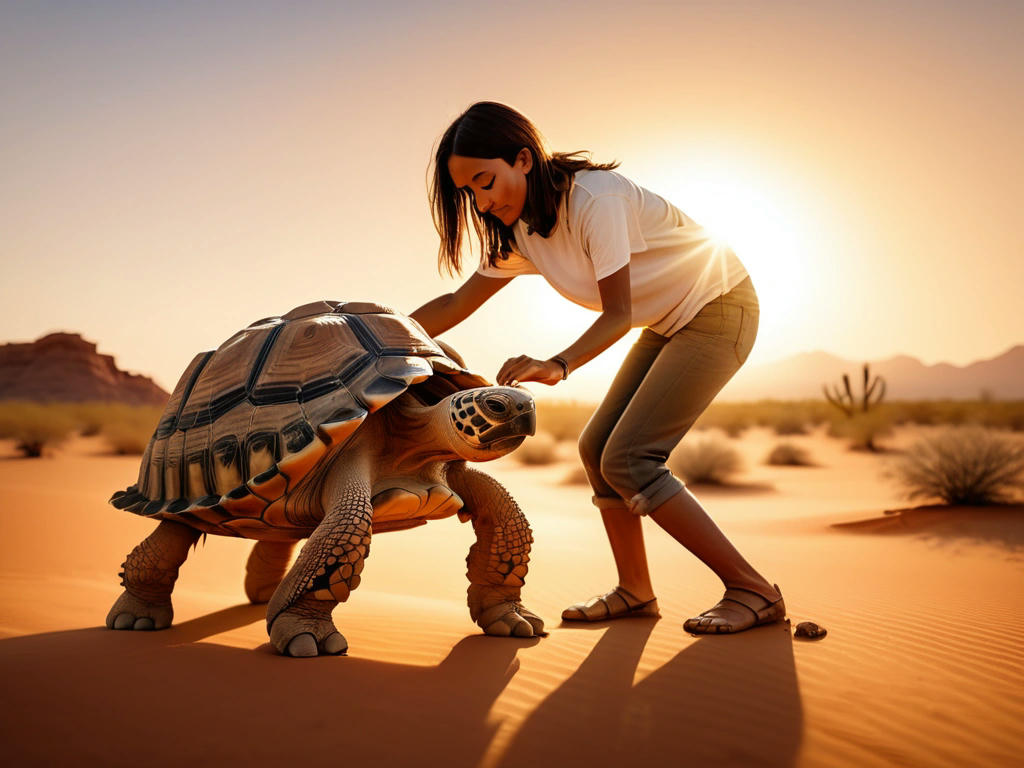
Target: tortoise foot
131,612
301,632
510,619
535,621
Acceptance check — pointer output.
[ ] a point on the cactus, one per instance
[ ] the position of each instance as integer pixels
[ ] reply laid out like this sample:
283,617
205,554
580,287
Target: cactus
846,402
856,408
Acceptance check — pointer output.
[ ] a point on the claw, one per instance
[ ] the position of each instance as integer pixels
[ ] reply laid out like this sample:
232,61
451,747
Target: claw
502,620
131,612
535,621
334,644
306,629
303,645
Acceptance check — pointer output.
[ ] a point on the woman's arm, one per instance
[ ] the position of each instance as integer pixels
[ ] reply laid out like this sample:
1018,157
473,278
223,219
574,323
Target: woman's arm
447,311
615,321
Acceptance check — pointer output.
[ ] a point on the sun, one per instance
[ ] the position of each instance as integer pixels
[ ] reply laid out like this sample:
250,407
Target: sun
760,218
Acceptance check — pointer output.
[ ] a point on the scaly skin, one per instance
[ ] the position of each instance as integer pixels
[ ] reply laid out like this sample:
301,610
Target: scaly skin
150,571
497,562
328,567
265,569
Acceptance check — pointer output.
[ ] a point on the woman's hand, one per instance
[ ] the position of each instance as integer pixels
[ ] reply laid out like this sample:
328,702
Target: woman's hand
523,368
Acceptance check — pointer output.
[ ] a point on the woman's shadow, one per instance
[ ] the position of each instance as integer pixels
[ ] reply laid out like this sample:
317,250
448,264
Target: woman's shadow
727,700
168,698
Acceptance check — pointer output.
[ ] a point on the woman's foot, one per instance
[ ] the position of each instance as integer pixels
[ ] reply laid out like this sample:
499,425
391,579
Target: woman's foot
738,610
617,604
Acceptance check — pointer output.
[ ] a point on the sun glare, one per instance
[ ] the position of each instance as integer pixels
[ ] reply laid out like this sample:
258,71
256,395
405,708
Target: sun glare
761,221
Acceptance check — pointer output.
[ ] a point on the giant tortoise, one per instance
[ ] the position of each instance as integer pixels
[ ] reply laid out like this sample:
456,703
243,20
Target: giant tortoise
331,422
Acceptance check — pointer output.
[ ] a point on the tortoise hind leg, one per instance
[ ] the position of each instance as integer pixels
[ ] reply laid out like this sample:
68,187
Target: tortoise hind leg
150,571
266,567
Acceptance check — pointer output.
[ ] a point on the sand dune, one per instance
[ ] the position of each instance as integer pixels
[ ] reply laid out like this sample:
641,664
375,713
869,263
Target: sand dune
922,665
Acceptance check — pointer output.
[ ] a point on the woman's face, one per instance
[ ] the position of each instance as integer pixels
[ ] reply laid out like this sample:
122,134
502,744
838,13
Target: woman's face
498,189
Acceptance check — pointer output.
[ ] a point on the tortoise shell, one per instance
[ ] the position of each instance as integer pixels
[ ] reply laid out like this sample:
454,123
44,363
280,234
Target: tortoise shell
248,421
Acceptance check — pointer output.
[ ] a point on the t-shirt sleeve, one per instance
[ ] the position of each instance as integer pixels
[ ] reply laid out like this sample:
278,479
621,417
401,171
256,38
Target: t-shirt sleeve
514,264
605,224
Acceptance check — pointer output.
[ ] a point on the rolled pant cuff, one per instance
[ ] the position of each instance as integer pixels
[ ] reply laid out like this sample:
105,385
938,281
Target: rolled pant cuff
609,502
655,494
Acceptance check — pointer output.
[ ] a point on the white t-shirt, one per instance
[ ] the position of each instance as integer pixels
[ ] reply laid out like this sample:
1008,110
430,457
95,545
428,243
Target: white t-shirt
675,267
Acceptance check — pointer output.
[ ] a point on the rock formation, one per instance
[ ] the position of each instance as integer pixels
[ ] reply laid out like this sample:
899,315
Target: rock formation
65,367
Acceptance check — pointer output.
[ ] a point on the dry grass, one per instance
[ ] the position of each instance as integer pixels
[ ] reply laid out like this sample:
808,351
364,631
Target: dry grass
563,420
708,460
790,425
863,429
127,429
964,465
35,427
986,413
38,427
576,476
789,455
537,451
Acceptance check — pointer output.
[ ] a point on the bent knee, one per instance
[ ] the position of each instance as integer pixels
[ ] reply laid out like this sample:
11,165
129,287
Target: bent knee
630,470
591,447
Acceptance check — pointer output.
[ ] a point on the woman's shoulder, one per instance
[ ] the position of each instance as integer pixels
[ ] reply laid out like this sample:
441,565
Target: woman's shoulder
594,183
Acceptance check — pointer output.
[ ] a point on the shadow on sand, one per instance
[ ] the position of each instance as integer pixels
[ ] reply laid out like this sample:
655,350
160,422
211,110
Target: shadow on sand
727,700
97,697
1002,525
93,696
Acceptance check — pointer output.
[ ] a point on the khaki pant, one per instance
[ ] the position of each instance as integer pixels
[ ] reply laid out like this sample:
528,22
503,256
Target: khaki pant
664,384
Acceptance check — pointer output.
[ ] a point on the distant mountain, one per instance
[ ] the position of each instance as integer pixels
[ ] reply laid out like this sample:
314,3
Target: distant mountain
64,367
801,377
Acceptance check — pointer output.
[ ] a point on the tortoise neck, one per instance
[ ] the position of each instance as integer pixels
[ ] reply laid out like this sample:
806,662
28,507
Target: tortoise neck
413,436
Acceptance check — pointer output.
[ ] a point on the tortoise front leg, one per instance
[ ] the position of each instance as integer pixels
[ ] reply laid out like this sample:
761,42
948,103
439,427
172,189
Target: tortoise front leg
150,571
498,560
326,571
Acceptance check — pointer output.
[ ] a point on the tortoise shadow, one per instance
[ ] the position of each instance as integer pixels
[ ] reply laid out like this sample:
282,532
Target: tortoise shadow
725,700
167,698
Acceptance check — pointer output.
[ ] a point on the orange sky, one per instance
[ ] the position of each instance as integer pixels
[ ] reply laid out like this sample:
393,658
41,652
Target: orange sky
170,175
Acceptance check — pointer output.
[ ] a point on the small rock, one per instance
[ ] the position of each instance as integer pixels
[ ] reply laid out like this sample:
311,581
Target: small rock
810,630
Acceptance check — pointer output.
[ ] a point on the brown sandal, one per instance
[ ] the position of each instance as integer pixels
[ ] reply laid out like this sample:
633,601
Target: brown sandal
617,604
761,610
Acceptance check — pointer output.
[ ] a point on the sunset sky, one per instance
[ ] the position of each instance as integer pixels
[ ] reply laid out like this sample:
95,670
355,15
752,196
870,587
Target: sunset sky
171,172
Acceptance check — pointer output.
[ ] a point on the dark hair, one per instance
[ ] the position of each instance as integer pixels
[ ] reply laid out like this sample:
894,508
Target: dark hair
489,130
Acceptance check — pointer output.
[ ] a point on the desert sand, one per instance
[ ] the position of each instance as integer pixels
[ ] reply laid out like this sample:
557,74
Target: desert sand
923,664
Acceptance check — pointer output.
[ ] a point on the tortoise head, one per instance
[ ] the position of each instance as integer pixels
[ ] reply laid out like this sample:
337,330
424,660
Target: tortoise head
489,422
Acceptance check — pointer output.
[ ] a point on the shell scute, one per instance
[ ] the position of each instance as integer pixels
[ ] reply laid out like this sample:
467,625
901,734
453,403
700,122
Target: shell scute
309,359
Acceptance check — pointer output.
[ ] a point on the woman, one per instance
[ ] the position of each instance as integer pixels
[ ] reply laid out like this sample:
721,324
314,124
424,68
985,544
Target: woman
609,245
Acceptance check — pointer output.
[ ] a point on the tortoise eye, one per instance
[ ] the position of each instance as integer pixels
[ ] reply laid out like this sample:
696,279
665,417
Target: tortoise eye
496,404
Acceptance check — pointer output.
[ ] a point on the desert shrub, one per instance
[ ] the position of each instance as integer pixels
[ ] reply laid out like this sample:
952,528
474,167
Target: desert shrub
127,429
788,455
790,425
538,450
792,418
732,418
35,426
89,417
965,465
576,476
709,460
563,420
863,429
